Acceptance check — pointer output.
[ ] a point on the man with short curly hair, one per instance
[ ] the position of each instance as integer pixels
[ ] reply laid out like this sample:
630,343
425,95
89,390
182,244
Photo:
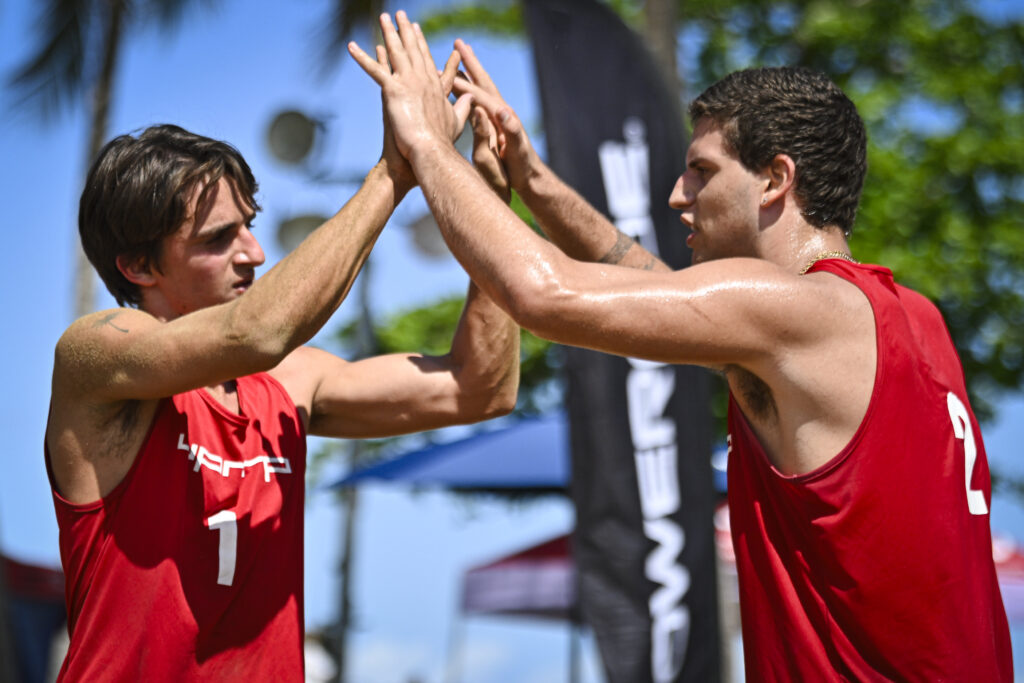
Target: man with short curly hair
858,483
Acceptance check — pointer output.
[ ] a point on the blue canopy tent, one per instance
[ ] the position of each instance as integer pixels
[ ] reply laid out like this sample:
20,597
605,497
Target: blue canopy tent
530,455
527,456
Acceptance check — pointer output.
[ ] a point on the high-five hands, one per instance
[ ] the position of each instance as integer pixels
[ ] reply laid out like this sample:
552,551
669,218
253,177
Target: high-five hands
514,148
415,93
486,158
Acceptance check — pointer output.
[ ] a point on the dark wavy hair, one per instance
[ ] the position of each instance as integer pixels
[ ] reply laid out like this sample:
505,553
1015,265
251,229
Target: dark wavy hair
137,193
801,113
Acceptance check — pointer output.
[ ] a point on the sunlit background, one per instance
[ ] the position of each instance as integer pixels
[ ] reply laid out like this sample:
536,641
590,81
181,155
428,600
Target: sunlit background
226,70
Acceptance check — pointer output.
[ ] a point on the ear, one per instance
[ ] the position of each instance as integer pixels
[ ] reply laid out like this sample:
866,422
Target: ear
780,175
136,270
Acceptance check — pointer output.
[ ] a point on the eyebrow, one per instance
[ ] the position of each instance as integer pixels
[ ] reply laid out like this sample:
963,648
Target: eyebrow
227,225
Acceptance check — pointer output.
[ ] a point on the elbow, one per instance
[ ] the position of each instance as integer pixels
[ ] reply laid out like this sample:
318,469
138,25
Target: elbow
534,302
495,404
491,394
503,400
257,345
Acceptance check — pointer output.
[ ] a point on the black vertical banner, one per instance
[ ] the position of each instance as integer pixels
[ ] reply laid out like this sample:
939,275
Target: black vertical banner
640,431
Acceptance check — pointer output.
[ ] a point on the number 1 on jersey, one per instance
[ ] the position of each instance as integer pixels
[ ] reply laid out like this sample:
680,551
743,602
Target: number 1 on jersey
962,430
226,523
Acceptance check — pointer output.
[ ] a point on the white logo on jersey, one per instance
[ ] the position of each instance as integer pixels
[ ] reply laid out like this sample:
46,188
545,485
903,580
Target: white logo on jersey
204,458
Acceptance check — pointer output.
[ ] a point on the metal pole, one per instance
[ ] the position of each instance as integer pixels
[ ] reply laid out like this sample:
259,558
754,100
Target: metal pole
574,651
349,496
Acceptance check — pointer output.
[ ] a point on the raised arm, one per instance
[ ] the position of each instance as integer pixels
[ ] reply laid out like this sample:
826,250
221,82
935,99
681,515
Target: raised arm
713,314
580,230
408,392
400,393
129,354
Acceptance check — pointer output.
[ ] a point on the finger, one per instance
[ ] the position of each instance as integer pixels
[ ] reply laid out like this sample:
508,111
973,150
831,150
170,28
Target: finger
462,107
409,41
484,131
451,70
495,108
371,67
397,55
485,159
474,67
462,86
494,105
421,42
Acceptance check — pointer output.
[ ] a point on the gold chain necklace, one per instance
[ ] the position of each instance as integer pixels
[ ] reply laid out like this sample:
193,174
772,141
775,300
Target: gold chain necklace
827,254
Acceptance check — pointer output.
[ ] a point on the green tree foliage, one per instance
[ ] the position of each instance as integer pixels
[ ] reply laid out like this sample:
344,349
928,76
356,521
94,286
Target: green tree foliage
78,52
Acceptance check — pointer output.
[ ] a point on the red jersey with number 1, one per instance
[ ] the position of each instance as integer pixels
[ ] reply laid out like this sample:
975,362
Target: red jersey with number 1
877,565
191,568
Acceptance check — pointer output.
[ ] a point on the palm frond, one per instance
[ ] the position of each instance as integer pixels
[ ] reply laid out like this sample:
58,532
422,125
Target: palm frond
56,73
345,17
168,14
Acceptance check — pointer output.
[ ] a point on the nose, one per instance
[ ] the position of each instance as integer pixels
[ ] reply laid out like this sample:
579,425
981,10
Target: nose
250,252
679,199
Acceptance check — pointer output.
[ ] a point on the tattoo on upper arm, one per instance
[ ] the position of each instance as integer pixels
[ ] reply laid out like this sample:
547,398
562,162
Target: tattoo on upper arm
109,320
618,250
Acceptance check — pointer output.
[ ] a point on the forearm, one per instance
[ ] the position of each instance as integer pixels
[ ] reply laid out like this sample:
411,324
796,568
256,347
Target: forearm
500,253
485,355
290,303
580,230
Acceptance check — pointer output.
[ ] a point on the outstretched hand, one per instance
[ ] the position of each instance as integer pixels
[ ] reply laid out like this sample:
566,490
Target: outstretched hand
485,154
415,94
513,144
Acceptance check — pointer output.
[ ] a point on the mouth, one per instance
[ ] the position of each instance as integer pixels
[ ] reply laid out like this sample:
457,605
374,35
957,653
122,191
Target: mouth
693,232
242,285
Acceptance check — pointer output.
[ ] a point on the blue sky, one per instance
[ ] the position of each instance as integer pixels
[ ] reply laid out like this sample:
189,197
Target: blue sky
225,73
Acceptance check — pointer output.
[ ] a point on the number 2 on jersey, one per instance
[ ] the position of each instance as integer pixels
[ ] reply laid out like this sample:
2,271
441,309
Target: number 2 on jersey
226,523
962,430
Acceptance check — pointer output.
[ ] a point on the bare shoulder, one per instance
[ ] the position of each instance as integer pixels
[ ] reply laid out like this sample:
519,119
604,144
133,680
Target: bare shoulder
303,370
806,398
785,308
91,441
842,302
89,344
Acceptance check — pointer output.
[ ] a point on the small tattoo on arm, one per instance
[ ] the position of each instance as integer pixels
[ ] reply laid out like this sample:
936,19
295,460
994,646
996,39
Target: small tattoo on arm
109,320
618,250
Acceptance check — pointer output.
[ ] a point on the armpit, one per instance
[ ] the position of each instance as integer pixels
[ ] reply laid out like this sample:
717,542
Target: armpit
752,392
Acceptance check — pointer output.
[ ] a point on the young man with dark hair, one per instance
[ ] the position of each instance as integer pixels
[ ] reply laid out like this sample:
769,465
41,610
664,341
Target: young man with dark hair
858,484
176,439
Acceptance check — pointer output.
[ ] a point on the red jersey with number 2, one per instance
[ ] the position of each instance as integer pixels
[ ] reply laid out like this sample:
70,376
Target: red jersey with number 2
876,566
191,568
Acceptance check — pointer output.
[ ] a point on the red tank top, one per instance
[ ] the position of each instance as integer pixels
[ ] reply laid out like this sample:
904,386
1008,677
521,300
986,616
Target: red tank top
191,568
877,565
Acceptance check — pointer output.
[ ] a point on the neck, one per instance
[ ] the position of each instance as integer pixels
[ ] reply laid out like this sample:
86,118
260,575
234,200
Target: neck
828,242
